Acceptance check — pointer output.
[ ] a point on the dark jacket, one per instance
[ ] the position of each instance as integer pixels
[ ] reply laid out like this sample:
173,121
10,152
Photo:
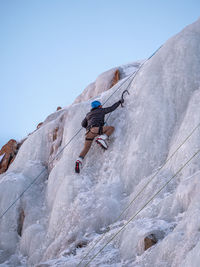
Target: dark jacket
95,117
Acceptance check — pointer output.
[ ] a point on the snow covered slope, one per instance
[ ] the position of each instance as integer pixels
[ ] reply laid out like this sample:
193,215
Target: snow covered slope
65,213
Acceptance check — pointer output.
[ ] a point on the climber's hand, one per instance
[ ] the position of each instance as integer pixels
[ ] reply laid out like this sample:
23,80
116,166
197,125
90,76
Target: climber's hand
121,101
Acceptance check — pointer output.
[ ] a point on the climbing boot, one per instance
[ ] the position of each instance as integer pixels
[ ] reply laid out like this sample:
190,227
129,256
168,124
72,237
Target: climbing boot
101,140
78,164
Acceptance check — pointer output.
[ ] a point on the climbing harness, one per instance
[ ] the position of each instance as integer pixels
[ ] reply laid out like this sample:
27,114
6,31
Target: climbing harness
100,132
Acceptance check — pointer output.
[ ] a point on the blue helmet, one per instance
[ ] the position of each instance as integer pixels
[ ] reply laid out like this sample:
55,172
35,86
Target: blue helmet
95,104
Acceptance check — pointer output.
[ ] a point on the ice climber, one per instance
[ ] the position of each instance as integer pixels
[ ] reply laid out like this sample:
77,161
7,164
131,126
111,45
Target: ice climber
94,124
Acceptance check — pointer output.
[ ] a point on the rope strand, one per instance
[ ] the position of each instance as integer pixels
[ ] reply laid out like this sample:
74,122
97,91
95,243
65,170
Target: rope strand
35,179
197,152
143,188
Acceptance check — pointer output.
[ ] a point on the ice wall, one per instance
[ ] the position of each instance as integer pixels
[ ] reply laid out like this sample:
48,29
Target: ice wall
66,213
105,81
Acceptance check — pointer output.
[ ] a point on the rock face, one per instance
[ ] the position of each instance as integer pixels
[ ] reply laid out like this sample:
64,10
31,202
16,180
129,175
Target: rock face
116,78
8,153
107,80
149,241
39,125
104,82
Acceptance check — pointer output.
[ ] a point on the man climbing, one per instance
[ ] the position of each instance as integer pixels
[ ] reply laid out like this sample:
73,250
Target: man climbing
94,124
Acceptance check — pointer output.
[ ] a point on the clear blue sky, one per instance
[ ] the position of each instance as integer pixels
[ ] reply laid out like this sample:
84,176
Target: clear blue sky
50,50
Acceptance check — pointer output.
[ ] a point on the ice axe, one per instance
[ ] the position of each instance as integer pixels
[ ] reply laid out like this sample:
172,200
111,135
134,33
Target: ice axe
122,97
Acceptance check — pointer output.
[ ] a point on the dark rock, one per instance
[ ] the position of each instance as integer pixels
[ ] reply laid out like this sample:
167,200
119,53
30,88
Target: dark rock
20,222
116,78
149,241
39,125
8,152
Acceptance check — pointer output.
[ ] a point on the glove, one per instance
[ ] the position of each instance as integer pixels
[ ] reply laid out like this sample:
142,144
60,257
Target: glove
121,101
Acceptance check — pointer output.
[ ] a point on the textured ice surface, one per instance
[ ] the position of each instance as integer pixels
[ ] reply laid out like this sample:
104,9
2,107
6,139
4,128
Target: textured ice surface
66,213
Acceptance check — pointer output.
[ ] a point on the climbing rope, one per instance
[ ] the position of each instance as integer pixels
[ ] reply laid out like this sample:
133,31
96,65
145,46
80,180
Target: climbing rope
127,89
36,178
143,188
131,77
18,198
131,80
197,152
133,74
